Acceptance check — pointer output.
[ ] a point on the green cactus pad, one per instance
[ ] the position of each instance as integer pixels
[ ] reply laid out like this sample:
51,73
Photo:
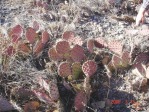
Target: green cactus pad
76,70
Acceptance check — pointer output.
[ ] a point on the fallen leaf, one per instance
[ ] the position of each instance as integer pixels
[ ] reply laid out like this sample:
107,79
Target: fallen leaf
31,106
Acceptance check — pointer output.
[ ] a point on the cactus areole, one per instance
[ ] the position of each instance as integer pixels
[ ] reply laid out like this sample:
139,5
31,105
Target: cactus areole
89,68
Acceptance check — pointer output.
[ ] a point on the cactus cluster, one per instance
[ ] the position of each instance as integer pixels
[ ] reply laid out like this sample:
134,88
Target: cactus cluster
50,87
114,46
70,58
72,64
63,50
32,43
119,62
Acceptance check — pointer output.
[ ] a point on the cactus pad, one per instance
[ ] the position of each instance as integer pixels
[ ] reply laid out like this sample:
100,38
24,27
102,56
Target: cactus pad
89,68
116,47
142,58
15,38
77,53
100,43
30,35
76,70
38,47
125,58
80,101
24,48
35,25
90,45
54,55
45,37
62,47
54,93
139,70
68,35
117,62
43,97
64,69
17,30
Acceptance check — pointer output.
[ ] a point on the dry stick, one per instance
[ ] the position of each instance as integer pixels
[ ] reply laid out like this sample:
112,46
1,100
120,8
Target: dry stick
89,107
109,76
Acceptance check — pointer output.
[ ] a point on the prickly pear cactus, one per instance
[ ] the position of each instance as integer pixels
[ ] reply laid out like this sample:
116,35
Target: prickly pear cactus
23,48
30,35
15,38
38,48
62,47
90,45
100,43
116,47
68,35
117,62
77,53
142,58
35,25
54,93
45,37
53,55
16,30
80,101
89,68
64,69
126,58
76,70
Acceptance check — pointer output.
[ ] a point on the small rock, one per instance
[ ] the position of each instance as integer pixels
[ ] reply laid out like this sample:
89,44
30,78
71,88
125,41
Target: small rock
5,105
145,27
101,104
